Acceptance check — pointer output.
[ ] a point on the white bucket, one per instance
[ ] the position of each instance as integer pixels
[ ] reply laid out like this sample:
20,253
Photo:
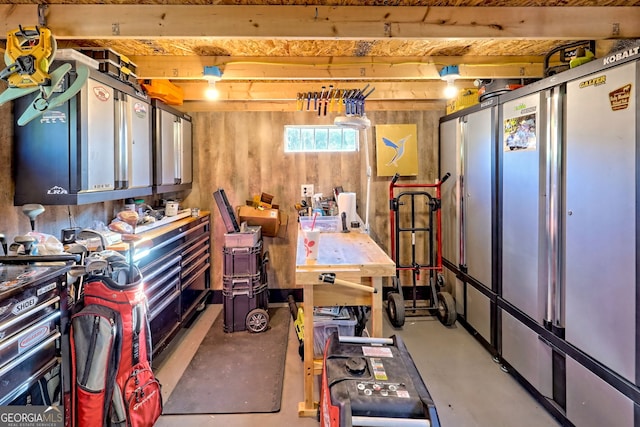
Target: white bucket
171,209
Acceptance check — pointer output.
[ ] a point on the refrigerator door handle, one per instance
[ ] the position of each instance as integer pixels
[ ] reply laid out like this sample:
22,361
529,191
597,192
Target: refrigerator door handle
553,314
461,195
122,142
177,150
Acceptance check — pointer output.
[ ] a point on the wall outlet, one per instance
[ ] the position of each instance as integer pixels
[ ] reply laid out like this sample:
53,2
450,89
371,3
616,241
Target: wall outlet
306,190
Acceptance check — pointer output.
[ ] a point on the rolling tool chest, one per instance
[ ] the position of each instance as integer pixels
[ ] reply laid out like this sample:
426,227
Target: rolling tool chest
372,381
176,275
33,306
245,288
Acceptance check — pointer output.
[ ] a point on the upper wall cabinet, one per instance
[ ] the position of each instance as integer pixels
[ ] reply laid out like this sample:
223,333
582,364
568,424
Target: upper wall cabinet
172,148
93,148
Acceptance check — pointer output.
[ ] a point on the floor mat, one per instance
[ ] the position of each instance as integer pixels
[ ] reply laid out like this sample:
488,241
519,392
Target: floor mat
237,372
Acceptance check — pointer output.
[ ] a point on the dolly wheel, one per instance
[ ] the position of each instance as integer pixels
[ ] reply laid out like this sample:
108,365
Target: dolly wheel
396,284
257,320
446,309
395,309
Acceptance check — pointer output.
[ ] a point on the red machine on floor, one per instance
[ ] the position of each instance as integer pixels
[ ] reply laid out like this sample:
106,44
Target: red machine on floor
439,301
373,382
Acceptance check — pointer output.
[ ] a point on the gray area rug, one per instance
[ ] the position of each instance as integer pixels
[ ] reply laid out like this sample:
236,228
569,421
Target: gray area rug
238,372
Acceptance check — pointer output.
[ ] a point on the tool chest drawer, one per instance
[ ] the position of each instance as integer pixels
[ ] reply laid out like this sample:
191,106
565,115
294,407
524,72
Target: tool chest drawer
165,317
195,274
161,280
32,307
26,352
194,253
42,388
27,309
166,286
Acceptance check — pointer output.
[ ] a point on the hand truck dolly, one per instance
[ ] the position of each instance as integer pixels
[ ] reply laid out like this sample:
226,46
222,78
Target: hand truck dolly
440,301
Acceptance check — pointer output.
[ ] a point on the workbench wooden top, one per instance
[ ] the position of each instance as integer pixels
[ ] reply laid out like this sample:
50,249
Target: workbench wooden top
345,251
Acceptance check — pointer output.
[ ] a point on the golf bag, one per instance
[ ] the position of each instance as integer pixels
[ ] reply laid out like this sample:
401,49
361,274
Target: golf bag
113,384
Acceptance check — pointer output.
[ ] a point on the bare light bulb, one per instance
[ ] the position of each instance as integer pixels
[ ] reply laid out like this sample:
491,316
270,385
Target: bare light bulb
450,91
211,92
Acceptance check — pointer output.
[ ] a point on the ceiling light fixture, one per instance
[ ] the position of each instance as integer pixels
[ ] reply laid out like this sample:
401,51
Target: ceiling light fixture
449,74
212,74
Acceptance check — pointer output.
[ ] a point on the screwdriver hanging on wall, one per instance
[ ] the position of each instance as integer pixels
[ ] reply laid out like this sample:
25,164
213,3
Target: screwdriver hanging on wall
351,101
321,98
326,100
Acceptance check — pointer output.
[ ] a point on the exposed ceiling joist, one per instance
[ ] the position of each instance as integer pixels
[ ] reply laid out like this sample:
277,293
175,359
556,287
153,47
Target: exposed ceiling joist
337,68
104,21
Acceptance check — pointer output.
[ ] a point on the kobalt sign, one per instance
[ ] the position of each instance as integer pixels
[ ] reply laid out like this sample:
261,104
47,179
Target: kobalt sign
621,55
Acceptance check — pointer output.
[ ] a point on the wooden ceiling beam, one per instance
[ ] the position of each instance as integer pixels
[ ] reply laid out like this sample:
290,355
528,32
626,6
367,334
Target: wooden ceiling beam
288,91
337,68
116,21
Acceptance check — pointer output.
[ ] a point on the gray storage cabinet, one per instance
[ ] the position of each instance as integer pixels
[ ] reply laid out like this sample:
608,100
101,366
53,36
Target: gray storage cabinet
565,218
93,148
173,148
468,151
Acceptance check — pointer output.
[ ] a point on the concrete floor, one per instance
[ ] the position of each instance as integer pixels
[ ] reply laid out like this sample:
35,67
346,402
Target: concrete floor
469,389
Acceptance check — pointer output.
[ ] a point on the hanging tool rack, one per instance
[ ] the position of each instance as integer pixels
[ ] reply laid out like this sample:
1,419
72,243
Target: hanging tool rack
347,101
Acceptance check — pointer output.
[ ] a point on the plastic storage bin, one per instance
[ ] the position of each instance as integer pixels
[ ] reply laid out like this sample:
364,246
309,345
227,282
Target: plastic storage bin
324,224
324,326
250,237
240,298
242,261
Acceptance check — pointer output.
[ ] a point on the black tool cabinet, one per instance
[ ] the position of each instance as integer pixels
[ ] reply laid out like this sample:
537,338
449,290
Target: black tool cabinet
177,277
33,308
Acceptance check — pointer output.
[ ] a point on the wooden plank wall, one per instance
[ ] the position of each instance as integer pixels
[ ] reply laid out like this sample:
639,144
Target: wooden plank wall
242,152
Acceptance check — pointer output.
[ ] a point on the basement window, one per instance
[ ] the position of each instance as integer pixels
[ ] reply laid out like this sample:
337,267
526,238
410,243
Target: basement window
319,139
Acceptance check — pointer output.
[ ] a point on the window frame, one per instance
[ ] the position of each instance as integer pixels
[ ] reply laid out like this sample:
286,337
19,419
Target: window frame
318,139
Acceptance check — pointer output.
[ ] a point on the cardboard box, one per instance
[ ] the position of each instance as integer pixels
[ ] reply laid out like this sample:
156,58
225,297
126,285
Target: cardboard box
270,220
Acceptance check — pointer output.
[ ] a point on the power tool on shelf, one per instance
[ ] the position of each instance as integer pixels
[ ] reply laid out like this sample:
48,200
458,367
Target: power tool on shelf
29,53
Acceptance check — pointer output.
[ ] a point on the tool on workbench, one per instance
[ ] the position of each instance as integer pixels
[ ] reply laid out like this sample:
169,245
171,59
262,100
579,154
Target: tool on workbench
29,53
331,279
345,229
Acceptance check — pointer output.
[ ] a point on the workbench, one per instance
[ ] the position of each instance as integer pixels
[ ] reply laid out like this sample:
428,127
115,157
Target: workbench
353,257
